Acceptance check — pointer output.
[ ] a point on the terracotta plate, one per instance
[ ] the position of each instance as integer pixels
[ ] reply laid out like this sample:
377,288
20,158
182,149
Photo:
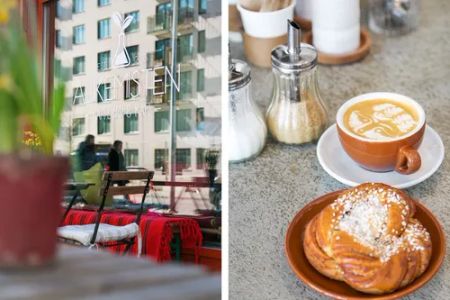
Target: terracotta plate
340,290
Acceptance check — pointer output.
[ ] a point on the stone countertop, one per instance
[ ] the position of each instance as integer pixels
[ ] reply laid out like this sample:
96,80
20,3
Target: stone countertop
265,193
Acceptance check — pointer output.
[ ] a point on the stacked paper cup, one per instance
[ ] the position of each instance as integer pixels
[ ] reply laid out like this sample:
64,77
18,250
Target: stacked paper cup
304,9
335,26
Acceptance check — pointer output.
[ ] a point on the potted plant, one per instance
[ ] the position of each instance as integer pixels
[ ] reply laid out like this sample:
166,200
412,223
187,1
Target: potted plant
31,177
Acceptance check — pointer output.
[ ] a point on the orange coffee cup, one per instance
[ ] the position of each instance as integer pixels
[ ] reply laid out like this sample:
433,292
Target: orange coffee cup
397,153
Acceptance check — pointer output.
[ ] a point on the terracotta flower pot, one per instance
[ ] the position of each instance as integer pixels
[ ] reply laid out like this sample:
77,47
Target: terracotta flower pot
31,190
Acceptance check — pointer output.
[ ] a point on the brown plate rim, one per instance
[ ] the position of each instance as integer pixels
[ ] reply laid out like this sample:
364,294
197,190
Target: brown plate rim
412,287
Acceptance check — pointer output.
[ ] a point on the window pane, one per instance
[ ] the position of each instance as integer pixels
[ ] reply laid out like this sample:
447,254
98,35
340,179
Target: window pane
201,41
78,65
183,158
184,120
134,26
131,157
103,92
161,121
78,35
133,52
103,2
104,29
200,158
78,126
79,95
78,6
131,123
200,118
103,60
202,6
161,158
130,89
200,80
103,124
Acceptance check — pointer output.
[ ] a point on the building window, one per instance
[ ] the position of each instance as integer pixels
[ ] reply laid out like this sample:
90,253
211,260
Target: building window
183,159
201,158
185,85
131,157
78,6
131,123
200,80
78,65
185,46
103,124
103,92
103,2
134,26
104,29
161,121
202,6
133,52
130,89
200,118
185,10
161,157
184,119
58,39
59,9
201,47
79,95
103,60
78,35
78,125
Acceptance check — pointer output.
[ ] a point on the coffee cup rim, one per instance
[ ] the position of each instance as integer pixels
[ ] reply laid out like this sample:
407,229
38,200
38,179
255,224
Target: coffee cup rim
380,95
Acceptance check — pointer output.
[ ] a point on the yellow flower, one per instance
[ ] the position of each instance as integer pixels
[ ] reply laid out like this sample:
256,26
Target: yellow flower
5,7
5,82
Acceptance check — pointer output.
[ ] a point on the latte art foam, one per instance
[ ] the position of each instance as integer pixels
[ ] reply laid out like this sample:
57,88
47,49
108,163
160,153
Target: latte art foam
380,119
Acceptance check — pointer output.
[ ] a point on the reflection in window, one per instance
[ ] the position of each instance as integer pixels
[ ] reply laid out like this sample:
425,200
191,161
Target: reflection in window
104,29
78,65
185,47
79,95
161,121
161,157
131,157
201,158
78,35
200,80
200,118
78,6
58,39
103,2
183,159
201,47
134,26
202,6
133,52
130,89
103,124
185,85
103,92
103,60
131,123
184,119
78,125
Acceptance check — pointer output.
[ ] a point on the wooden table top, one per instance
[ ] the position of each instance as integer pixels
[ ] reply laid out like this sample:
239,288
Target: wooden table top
79,273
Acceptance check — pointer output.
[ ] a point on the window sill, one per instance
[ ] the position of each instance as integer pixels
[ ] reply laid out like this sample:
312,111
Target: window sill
132,133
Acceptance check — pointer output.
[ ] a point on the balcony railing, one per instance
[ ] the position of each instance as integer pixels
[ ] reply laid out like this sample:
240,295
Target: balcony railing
163,28
162,58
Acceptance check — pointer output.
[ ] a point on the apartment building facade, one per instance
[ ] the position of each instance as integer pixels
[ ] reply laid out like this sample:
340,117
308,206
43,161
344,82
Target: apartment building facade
114,57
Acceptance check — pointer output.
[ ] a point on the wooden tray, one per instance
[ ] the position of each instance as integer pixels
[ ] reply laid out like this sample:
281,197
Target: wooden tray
357,55
338,289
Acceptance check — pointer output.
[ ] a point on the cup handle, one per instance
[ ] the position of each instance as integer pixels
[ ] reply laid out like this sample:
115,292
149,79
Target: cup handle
408,160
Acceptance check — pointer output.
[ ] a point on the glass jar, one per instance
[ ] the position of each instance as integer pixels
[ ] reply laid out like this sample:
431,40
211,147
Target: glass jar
247,129
393,17
297,113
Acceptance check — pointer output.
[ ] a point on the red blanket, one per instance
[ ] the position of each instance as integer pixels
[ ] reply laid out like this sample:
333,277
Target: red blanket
156,231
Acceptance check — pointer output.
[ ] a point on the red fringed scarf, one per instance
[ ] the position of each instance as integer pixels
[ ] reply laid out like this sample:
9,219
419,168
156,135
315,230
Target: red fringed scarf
156,231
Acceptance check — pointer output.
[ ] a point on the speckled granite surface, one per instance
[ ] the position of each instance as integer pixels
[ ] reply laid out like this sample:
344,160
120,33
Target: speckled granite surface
266,193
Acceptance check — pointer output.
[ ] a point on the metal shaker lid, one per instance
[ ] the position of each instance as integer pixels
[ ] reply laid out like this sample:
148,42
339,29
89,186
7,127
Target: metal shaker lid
238,74
294,56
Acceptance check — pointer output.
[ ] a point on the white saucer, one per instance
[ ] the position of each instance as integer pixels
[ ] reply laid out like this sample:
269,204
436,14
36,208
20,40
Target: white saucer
335,161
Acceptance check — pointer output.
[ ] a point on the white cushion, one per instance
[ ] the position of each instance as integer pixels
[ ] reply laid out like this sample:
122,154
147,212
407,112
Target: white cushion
105,233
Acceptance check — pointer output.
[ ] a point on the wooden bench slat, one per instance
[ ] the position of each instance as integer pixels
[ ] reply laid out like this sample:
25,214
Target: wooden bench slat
125,190
128,175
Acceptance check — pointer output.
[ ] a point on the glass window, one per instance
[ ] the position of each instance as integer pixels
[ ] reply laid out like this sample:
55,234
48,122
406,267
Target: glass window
160,48
103,60
185,46
161,121
131,123
202,6
184,119
103,124
185,85
131,157
185,10
201,41
58,39
78,125
201,158
104,29
200,118
200,80
134,26
78,65
59,9
103,2
78,6
103,92
78,35
79,95
130,89
161,157
133,52
183,158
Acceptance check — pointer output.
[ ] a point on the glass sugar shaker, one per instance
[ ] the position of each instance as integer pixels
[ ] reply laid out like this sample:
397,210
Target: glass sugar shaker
297,113
247,129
